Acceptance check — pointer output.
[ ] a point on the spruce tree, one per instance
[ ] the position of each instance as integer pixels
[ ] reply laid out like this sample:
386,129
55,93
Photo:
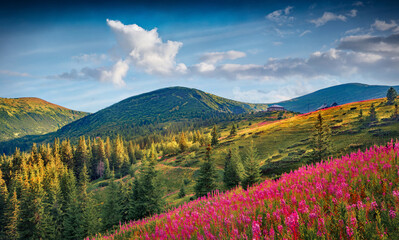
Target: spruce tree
233,169
391,96
118,155
215,136
207,179
395,115
147,191
81,156
182,192
372,113
252,170
67,154
321,143
3,205
183,145
131,153
111,210
89,212
12,216
233,131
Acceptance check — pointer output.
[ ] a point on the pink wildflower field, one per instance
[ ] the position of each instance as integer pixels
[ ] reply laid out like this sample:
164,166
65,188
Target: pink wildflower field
352,197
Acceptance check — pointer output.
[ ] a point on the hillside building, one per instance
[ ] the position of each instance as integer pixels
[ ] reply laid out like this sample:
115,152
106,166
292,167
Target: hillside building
275,108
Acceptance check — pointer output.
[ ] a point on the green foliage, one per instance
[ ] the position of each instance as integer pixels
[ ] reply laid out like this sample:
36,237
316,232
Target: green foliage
111,212
252,169
183,145
233,130
391,96
372,113
215,136
182,192
321,143
233,169
207,179
3,205
12,217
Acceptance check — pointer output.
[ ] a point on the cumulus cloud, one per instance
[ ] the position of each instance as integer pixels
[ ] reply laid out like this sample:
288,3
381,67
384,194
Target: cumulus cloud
145,49
136,47
383,46
384,26
281,16
366,56
352,13
327,17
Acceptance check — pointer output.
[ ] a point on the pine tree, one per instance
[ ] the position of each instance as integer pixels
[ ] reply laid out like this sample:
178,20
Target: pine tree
233,169
233,131
182,192
12,216
89,212
108,148
360,116
131,153
3,204
107,169
183,145
111,210
207,180
391,96
321,143
67,154
147,191
118,155
81,156
252,170
372,113
395,115
215,136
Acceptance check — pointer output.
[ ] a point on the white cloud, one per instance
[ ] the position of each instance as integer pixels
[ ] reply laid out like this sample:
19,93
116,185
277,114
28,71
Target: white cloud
116,73
90,58
277,43
383,26
145,49
353,31
281,16
370,57
327,17
14,74
352,13
304,33
214,57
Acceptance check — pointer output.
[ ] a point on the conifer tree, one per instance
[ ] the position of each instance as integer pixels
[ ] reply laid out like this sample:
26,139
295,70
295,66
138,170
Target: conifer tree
67,154
391,96
131,153
107,169
90,221
182,192
111,210
81,156
3,205
233,169
108,148
118,155
233,130
395,115
372,113
252,170
207,180
321,143
12,216
215,136
183,145
147,191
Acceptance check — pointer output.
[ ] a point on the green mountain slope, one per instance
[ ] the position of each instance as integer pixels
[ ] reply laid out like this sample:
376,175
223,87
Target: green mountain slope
160,106
341,94
32,116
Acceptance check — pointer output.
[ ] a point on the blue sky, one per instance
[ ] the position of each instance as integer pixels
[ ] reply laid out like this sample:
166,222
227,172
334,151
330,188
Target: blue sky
87,56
